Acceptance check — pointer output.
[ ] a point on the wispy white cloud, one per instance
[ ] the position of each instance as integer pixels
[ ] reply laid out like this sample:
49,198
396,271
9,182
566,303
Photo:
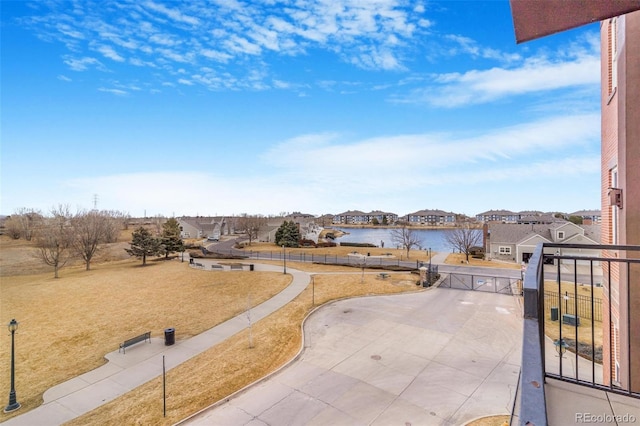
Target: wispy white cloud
369,35
109,52
535,74
466,45
64,78
118,92
83,64
174,14
69,31
445,154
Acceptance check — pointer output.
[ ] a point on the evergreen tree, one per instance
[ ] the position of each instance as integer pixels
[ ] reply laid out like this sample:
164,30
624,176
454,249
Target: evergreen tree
144,244
171,240
288,234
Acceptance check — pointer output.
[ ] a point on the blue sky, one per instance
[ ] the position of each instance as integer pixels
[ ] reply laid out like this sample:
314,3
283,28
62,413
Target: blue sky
319,106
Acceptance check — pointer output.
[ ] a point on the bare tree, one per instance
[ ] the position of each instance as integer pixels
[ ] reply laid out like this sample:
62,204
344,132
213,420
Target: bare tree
13,227
405,237
28,220
251,225
158,221
464,239
119,221
54,238
122,217
90,230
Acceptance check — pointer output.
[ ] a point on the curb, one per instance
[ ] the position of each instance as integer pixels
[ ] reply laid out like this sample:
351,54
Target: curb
294,358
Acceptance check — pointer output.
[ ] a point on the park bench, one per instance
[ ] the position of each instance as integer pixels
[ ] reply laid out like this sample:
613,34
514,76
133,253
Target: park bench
141,338
199,265
216,266
383,275
236,266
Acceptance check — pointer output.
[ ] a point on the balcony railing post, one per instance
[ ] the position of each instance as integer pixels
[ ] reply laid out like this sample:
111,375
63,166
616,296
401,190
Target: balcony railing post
532,396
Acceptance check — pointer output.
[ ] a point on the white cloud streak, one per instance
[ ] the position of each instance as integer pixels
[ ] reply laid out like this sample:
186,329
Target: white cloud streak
536,74
400,156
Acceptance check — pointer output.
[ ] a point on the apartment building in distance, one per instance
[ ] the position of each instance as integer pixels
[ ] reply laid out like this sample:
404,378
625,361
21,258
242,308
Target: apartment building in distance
357,217
432,218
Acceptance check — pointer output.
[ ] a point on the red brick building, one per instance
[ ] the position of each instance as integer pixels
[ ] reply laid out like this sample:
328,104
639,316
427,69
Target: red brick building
620,50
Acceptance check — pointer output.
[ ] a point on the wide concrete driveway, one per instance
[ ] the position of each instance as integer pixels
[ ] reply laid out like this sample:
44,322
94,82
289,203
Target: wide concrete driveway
439,357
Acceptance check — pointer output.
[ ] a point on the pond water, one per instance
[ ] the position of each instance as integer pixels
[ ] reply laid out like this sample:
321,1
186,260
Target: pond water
429,238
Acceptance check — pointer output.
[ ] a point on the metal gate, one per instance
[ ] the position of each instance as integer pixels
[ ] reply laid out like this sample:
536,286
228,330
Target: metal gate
490,284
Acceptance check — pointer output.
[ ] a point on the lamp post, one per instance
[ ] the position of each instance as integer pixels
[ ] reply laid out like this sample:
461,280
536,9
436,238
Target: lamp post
561,347
13,403
284,259
429,274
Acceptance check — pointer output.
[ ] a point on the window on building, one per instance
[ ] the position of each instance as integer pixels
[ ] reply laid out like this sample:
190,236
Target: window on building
561,235
505,250
612,54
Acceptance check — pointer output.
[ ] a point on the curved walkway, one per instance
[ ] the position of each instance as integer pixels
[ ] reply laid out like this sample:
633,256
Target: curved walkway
438,357
143,362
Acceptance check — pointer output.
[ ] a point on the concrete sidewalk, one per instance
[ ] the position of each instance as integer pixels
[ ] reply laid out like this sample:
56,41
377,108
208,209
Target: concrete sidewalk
143,362
438,258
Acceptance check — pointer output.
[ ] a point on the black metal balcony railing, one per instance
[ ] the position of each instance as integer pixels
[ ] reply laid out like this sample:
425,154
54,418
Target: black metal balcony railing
569,301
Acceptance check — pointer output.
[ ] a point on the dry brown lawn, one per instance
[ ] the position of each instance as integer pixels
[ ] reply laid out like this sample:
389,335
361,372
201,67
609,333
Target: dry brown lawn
232,365
68,324
500,420
587,335
460,259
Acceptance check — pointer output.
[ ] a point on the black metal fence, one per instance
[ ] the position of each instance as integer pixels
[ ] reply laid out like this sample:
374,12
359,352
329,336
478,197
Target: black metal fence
579,305
492,284
355,259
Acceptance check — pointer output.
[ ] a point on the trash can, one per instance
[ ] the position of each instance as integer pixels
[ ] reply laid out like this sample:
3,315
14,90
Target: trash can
554,313
251,267
169,336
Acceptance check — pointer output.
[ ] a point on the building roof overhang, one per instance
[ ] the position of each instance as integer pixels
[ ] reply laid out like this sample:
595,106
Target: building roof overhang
533,19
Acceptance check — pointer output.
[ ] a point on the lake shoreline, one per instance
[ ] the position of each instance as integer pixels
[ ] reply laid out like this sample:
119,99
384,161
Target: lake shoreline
369,226
434,238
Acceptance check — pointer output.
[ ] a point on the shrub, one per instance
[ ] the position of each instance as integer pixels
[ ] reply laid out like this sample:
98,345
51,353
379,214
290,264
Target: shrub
347,244
307,243
328,244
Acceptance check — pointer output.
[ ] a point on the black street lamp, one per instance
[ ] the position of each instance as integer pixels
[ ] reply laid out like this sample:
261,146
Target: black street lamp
13,403
561,347
284,259
429,275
